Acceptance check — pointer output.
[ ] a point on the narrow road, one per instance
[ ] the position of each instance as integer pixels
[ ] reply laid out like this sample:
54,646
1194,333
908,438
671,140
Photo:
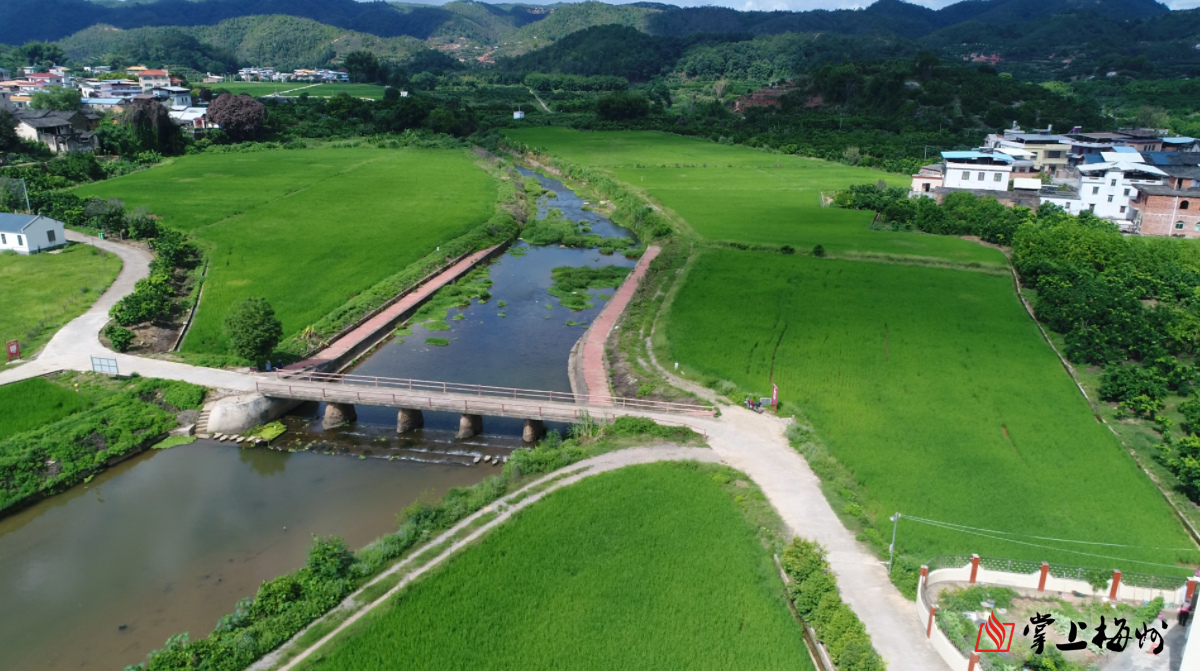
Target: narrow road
536,97
74,344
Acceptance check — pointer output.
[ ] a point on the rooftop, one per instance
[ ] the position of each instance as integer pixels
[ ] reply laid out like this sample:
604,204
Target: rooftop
152,73
1122,166
44,118
1155,190
15,223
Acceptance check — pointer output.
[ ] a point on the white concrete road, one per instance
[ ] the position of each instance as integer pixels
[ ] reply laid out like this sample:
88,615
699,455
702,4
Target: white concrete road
754,444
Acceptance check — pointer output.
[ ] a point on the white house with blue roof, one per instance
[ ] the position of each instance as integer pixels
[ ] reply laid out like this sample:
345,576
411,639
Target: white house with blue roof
30,233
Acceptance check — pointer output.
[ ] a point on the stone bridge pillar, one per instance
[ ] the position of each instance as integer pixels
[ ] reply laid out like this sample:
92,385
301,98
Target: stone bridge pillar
407,420
469,426
338,413
535,430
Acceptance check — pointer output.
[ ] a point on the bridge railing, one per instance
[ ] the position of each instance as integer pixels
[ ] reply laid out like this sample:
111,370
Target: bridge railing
513,393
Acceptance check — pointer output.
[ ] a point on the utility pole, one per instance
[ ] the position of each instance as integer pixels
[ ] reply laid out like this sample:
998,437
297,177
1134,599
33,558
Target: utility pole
892,548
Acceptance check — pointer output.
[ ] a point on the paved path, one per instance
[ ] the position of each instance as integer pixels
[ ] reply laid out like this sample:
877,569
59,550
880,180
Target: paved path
371,328
595,372
74,344
506,509
755,444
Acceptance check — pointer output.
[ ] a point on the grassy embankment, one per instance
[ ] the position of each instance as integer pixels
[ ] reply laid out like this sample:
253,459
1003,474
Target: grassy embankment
929,390
60,439
333,221
649,567
40,293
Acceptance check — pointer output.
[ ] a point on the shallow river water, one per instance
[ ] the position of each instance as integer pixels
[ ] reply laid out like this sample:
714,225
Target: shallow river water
167,542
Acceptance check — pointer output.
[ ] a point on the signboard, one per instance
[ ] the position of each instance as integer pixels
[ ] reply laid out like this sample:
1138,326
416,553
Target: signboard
102,365
14,350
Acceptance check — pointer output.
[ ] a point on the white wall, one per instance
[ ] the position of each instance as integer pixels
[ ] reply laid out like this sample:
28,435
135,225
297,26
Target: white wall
984,177
35,237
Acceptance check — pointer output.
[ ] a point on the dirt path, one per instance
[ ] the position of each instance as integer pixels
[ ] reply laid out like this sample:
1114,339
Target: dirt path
505,508
539,99
592,361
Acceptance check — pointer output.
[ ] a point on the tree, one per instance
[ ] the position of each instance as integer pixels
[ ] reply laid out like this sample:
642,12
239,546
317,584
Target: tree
363,66
330,558
8,131
41,53
622,105
253,329
241,117
58,98
151,129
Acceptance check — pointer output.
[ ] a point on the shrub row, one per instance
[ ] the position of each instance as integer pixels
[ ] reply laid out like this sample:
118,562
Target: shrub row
61,454
287,604
813,589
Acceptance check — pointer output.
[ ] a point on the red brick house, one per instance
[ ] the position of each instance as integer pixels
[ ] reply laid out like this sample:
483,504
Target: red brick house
1172,208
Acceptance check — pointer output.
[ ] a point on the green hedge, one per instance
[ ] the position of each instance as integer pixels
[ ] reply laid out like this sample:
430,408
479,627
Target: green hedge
61,454
813,590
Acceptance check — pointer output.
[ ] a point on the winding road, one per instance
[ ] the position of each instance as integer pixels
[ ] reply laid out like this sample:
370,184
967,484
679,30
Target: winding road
754,444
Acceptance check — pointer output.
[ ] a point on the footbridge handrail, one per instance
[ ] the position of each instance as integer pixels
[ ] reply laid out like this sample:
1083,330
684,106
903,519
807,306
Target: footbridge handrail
517,394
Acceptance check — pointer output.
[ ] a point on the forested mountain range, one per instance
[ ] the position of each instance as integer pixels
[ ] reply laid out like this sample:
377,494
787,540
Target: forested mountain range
1033,39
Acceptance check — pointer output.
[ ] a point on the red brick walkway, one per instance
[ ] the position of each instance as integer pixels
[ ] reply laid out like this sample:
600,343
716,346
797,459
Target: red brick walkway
595,373
380,321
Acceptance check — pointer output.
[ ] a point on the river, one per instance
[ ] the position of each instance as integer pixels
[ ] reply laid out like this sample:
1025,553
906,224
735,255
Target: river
168,541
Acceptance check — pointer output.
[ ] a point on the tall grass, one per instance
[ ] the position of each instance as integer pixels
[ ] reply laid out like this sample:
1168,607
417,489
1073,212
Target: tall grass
309,230
649,567
934,389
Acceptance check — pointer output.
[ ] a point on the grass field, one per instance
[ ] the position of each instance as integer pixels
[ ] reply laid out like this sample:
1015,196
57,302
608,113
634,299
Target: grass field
649,567
307,229
258,89
730,193
31,403
935,389
40,293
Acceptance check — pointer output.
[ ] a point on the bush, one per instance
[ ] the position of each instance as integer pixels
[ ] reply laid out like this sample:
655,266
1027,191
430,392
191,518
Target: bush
819,251
1125,383
119,338
253,329
814,592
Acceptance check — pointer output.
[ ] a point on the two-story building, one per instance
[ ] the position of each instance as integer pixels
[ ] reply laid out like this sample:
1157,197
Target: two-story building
149,79
173,96
62,132
1172,208
980,170
1050,153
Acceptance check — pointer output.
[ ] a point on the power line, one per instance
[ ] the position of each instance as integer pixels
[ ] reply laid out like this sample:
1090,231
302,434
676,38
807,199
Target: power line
1044,547
1042,538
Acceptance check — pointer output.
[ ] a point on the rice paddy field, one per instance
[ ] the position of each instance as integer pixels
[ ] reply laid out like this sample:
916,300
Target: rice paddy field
733,193
306,229
648,567
35,402
934,388
40,293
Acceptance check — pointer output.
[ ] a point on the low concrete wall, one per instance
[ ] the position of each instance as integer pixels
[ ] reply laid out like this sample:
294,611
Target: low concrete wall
236,414
958,662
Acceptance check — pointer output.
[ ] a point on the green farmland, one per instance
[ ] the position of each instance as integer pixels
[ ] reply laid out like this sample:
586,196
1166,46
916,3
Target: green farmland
259,89
40,293
648,567
935,389
728,193
29,404
307,229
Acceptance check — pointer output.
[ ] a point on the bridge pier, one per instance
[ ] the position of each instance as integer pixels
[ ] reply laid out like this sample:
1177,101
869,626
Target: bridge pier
407,420
337,414
535,430
469,426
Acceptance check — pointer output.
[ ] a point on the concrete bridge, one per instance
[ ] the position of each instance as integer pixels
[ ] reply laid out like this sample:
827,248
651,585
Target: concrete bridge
412,398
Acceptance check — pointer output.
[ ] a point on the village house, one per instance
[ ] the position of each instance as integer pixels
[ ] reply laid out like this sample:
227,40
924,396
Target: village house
62,132
30,233
1180,144
148,79
173,96
192,119
983,170
103,104
1049,153
1172,208
45,79
1107,189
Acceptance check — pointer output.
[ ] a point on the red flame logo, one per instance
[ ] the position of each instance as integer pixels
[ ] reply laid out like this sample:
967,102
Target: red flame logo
1000,634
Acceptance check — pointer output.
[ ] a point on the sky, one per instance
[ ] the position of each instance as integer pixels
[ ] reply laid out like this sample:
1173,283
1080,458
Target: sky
793,5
